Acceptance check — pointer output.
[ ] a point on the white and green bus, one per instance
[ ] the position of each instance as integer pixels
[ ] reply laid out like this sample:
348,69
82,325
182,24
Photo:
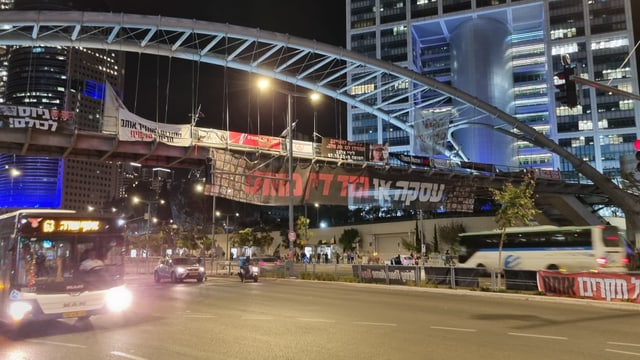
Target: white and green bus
40,274
569,248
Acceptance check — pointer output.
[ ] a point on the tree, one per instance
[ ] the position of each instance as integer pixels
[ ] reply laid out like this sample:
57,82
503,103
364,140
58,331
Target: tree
517,208
448,234
349,239
302,231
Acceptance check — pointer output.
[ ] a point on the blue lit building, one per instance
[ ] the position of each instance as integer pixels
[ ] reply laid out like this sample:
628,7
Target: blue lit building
46,182
505,52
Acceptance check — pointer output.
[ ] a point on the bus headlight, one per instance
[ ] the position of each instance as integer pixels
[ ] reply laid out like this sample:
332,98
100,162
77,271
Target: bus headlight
119,299
18,309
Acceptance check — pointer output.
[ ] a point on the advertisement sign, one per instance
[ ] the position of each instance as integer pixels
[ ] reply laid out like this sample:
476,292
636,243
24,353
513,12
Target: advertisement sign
588,285
343,150
381,274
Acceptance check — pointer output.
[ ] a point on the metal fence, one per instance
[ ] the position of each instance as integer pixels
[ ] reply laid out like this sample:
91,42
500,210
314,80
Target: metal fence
418,275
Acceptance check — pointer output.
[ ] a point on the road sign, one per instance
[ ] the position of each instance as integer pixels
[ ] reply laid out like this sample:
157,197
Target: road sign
292,236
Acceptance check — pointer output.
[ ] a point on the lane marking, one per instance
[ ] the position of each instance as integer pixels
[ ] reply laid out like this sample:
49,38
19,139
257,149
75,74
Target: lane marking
128,356
316,320
256,317
452,329
540,336
373,323
622,352
57,343
199,316
623,344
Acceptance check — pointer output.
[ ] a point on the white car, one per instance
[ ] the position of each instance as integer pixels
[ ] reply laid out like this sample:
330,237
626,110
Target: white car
404,260
178,269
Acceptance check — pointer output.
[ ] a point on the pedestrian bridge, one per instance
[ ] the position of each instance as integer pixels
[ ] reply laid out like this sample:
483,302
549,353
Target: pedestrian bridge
329,70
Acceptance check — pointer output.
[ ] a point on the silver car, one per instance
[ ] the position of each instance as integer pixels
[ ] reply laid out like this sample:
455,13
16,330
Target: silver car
178,269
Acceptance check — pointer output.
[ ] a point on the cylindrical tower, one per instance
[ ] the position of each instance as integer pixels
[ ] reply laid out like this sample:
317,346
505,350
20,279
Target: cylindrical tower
481,66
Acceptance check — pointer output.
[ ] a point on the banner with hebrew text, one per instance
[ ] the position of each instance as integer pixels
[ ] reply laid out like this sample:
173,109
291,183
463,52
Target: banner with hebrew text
26,117
265,181
589,285
132,127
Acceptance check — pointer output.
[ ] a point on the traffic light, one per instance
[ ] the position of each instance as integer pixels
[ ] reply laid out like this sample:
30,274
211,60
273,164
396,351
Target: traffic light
567,90
636,145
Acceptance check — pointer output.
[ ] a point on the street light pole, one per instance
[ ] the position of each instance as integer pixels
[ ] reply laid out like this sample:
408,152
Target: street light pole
226,230
290,155
263,83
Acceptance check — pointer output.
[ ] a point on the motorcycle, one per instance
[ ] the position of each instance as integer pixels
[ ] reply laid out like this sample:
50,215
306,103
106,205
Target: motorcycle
249,272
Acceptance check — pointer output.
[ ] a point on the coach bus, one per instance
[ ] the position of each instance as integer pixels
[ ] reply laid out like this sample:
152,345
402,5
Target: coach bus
40,274
571,248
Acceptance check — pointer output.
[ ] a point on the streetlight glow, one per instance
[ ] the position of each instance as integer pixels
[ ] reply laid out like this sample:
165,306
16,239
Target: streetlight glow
148,215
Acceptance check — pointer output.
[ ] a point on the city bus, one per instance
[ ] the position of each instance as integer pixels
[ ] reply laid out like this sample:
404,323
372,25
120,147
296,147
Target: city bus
570,248
40,275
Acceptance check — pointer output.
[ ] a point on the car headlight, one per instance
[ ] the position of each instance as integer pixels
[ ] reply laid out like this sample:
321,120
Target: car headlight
18,309
180,270
119,299
201,269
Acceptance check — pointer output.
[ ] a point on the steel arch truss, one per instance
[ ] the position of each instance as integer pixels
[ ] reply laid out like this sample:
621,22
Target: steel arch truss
327,69
319,67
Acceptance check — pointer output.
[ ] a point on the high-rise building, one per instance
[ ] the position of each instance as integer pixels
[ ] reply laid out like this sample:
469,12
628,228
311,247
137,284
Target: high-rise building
70,79
505,52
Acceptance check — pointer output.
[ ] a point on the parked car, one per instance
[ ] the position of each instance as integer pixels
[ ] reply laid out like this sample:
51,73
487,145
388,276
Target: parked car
178,269
404,260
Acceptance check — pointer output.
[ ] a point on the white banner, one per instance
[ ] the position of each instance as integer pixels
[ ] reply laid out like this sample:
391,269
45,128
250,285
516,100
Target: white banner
132,127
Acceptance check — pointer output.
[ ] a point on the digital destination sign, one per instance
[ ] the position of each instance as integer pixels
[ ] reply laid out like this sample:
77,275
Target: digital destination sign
49,225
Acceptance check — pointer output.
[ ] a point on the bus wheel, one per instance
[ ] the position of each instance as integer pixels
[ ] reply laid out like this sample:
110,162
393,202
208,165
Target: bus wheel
553,267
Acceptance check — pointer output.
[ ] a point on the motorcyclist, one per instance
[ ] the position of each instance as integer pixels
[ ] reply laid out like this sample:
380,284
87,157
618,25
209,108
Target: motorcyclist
244,267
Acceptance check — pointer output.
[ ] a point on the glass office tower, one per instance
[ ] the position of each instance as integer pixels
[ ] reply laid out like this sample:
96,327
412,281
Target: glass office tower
505,52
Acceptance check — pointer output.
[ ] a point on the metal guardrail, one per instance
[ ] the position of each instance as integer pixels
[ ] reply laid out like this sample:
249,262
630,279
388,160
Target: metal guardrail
417,275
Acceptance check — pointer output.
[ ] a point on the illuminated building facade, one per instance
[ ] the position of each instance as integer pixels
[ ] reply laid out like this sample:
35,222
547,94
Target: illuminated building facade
70,79
443,39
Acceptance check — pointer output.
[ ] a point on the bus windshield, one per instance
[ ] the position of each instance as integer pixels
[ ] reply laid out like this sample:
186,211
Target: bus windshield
43,262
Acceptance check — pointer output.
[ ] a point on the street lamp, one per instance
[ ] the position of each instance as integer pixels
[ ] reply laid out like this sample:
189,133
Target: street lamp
148,202
264,84
226,230
317,214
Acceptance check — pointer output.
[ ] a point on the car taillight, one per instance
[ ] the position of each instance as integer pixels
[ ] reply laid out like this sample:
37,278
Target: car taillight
626,261
602,261
261,263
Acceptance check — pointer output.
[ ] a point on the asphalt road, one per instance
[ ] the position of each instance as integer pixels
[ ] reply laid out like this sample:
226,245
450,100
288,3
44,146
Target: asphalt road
292,319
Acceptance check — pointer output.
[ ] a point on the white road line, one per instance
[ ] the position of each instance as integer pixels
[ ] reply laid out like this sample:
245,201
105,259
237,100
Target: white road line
623,344
128,356
622,352
540,336
199,316
57,343
317,320
256,317
373,323
452,329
